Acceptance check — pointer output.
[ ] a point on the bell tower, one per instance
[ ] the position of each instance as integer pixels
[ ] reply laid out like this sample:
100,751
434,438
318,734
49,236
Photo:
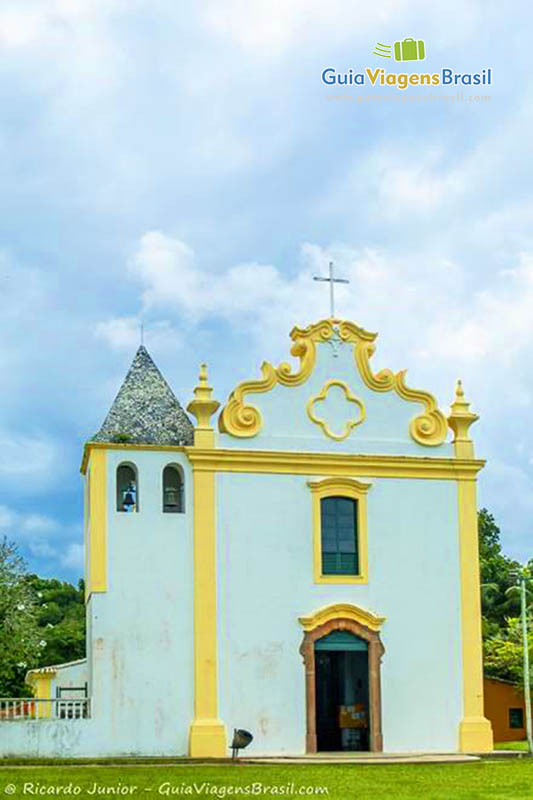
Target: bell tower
139,564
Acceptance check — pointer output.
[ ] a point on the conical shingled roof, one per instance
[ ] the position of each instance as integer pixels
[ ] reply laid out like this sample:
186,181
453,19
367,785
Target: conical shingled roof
145,410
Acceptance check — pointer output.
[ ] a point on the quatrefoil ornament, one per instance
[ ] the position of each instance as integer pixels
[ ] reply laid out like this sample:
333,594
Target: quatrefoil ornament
355,409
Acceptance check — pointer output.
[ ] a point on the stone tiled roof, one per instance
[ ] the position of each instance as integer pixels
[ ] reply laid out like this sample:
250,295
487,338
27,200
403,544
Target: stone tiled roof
145,410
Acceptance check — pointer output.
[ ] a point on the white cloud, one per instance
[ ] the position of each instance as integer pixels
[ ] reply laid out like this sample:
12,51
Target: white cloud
39,21
499,324
25,525
74,556
417,186
124,333
7,518
27,459
41,548
421,305
171,279
121,332
37,523
42,537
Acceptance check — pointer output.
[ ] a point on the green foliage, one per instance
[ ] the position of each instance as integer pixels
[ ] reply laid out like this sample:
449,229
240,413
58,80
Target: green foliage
498,574
500,601
21,643
42,622
123,438
504,653
61,619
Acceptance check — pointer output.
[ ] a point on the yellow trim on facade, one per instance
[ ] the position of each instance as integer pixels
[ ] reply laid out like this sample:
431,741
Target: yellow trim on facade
287,462
207,736
344,487
41,681
475,731
460,420
96,557
342,611
203,407
242,420
90,446
429,428
350,398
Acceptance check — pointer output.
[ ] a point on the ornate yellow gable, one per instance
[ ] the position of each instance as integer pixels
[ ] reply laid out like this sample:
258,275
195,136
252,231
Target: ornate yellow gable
242,419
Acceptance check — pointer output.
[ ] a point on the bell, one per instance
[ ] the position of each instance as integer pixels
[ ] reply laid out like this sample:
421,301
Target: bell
130,497
171,496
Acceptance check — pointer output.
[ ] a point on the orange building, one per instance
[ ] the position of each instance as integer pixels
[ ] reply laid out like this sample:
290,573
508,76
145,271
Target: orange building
504,707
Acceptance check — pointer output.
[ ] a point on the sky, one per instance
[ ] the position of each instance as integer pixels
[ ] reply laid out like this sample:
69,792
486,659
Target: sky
184,165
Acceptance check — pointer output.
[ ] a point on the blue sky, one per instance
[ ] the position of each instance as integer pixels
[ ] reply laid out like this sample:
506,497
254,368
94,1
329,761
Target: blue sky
183,163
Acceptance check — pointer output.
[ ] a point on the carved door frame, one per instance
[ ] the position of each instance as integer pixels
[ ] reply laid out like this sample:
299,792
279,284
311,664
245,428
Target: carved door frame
375,653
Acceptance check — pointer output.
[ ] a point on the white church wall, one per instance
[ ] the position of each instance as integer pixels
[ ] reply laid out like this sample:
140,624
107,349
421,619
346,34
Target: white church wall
142,626
266,583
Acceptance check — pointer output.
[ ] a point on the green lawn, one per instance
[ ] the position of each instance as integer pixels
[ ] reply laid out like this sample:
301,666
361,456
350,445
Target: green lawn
507,779
511,746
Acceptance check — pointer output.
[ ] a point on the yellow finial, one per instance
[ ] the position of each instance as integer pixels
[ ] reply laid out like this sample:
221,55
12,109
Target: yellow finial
460,420
203,407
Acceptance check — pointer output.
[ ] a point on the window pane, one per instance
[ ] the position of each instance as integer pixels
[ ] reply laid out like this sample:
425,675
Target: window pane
339,536
329,564
516,717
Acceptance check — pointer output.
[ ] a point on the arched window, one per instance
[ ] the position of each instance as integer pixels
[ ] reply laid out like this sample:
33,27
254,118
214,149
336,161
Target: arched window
173,490
127,488
339,536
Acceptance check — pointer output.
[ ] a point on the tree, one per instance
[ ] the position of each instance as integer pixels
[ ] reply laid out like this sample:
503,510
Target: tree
21,642
61,619
500,601
504,655
498,574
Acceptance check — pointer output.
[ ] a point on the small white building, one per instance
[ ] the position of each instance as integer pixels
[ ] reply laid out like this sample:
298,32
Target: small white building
306,568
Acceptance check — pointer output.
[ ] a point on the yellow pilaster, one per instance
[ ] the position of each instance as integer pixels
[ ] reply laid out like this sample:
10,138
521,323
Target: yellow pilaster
475,731
207,737
42,684
97,527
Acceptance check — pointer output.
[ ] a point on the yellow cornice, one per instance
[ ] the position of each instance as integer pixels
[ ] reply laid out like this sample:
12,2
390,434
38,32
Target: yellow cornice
342,611
332,464
124,446
242,420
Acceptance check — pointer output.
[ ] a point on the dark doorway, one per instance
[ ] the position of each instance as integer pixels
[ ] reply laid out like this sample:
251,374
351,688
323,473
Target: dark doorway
342,692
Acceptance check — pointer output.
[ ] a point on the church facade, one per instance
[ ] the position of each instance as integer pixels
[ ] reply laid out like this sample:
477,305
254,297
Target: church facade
302,563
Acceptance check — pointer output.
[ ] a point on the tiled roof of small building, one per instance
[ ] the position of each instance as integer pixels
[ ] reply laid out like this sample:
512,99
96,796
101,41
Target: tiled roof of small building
145,410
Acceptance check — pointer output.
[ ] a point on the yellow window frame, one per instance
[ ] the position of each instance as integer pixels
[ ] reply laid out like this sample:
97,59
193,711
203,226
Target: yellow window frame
355,490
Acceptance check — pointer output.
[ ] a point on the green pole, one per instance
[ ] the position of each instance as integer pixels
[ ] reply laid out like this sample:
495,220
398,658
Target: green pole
527,691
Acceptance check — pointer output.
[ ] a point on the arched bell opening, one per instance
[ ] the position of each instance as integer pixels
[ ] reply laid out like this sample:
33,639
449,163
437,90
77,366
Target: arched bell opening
127,488
173,490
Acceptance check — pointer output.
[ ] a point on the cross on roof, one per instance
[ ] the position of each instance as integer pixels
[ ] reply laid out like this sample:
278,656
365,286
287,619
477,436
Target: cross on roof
331,280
